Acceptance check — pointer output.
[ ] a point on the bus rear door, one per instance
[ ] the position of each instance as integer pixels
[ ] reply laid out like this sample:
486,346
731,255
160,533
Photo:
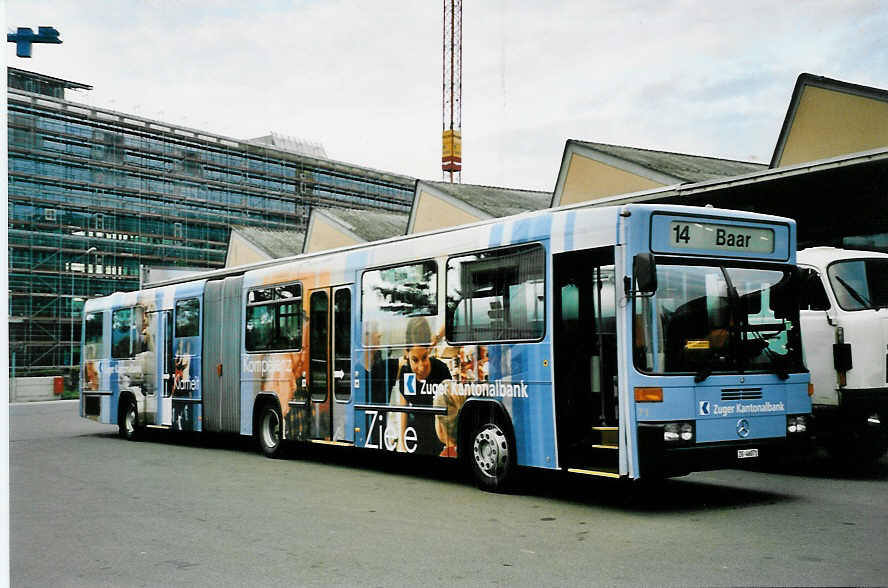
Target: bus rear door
157,366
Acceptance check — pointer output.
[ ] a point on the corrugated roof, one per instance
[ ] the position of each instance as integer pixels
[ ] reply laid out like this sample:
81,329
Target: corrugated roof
276,243
497,202
683,167
370,225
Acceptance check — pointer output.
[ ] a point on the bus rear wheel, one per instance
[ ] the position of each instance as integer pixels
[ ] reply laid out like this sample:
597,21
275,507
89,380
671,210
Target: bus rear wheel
128,421
492,456
268,431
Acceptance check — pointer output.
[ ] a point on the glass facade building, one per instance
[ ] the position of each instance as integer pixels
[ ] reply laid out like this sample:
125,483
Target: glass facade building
95,194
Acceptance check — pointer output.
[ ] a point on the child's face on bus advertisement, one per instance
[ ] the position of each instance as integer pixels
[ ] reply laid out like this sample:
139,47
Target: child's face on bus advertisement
418,357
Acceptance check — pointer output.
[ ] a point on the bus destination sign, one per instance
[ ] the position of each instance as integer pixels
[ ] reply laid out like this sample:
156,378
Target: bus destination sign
713,237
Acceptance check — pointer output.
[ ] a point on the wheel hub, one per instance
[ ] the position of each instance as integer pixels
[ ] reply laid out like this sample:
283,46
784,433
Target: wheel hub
270,429
130,420
491,450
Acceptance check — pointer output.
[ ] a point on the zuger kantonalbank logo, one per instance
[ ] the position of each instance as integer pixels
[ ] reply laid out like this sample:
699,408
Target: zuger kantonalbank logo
707,408
409,384
496,389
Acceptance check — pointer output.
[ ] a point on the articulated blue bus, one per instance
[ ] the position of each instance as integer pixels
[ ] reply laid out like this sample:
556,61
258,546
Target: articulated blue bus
625,342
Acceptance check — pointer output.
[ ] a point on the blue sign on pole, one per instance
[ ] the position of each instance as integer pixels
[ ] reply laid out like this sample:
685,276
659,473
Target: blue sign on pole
24,37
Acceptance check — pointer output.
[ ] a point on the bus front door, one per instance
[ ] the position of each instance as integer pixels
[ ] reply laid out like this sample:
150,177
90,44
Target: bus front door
585,347
329,382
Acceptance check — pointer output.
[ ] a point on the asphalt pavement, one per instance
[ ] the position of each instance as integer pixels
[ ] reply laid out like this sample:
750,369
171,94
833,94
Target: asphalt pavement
89,509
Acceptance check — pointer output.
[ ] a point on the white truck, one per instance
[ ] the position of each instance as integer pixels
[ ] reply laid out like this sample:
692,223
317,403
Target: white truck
844,318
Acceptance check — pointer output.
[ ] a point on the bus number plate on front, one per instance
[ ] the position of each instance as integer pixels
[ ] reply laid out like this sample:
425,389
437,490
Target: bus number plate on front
741,453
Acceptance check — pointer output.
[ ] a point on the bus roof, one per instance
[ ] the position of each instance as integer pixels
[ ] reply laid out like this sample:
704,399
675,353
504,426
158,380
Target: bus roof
567,209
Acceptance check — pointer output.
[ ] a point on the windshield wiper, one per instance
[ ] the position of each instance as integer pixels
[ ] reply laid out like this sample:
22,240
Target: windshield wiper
702,374
854,293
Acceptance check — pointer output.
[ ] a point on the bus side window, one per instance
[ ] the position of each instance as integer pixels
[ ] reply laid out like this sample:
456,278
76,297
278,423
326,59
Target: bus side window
121,331
94,336
497,295
812,295
187,318
274,318
391,296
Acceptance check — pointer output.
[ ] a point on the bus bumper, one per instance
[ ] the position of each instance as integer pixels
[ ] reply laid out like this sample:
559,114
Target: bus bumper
656,459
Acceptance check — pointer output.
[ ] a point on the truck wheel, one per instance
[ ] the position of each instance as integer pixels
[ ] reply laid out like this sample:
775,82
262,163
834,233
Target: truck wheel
492,455
859,442
269,430
128,421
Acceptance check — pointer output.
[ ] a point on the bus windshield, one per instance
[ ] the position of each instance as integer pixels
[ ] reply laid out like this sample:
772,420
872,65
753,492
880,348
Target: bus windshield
860,284
709,319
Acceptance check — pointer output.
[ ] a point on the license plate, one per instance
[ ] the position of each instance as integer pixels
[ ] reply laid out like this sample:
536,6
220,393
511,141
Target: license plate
741,453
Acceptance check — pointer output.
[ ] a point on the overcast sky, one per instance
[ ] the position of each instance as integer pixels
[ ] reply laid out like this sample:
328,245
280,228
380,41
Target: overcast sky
363,78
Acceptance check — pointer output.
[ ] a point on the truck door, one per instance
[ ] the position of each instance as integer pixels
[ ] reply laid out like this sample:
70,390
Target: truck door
818,336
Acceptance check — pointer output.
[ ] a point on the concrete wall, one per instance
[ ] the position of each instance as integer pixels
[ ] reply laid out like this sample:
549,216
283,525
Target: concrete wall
31,389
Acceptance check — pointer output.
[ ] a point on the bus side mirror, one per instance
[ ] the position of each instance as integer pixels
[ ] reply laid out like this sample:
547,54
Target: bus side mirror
644,273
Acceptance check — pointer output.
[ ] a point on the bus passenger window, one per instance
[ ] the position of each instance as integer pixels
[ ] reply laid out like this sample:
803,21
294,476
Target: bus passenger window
391,296
497,295
93,336
259,328
274,319
188,318
288,331
260,295
122,334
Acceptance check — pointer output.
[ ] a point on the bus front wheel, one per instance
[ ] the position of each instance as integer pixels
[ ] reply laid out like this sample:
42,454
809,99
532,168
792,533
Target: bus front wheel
269,430
492,456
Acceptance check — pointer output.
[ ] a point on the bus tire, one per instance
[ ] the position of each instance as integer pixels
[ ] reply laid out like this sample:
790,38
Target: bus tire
269,429
128,421
491,454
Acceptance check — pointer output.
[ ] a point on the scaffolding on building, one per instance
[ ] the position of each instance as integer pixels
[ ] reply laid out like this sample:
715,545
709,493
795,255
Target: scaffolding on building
94,195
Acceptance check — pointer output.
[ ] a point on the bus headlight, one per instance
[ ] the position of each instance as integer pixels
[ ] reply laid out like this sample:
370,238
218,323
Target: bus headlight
796,424
678,432
671,432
